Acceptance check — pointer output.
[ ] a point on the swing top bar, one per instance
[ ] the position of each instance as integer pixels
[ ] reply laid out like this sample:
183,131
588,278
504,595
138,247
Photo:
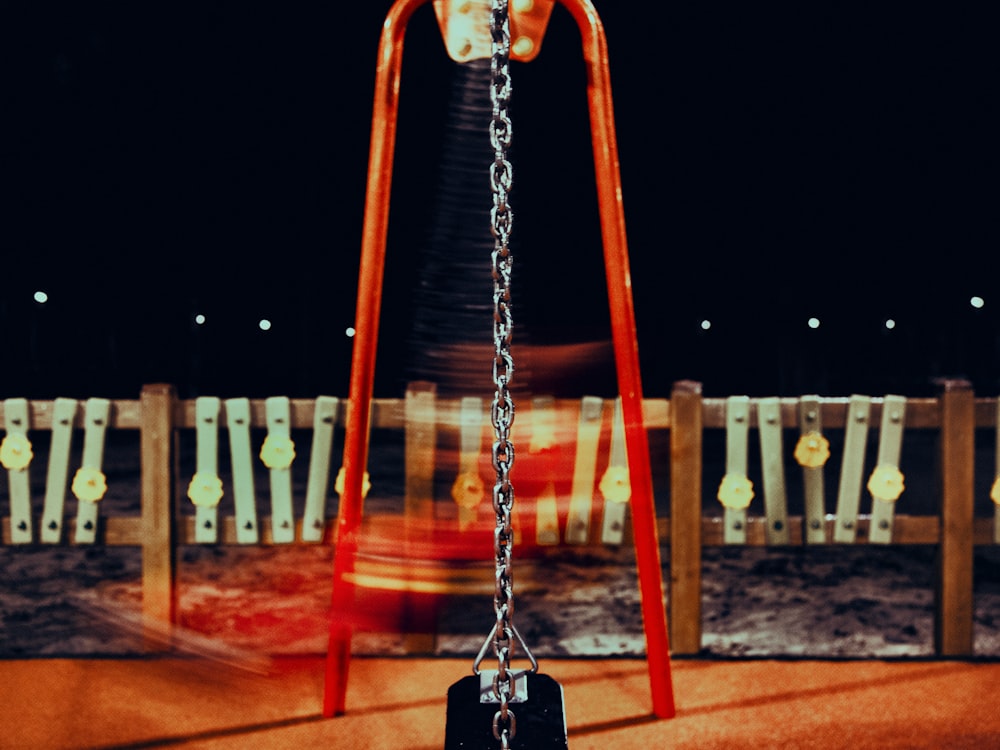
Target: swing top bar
466,34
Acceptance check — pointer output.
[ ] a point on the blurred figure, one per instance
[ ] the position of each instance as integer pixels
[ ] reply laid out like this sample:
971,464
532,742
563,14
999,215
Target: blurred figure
451,339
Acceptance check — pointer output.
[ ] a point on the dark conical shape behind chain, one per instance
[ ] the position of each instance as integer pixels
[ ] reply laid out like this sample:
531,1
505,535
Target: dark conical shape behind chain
452,307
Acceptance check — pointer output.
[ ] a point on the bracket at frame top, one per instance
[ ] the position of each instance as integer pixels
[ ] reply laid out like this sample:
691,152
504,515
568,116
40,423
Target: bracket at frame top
466,29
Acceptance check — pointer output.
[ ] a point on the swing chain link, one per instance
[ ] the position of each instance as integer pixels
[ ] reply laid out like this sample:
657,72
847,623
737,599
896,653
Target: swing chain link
502,412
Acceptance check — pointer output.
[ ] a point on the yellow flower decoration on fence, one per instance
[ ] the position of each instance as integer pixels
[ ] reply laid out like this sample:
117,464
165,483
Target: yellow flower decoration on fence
277,452
615,485
89,484
886,483
15,452
812,450
995,491
735,491
468,490
205,489
338,485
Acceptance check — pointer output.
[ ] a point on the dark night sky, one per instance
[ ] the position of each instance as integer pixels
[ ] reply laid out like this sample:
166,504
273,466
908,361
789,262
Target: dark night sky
161,160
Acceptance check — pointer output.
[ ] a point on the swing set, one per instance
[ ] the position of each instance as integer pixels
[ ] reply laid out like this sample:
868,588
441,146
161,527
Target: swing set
490,703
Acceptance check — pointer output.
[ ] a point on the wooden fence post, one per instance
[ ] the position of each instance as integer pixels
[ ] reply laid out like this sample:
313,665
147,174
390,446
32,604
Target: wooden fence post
158,513
685,517
953,629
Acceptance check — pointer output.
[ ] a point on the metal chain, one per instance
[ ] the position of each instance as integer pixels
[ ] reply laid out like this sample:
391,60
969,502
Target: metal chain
502,412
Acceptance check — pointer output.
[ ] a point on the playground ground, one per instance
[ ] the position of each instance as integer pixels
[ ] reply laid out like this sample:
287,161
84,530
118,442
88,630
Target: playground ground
55,704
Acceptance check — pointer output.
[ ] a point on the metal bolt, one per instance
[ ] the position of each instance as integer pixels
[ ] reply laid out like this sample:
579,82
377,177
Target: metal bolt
523,46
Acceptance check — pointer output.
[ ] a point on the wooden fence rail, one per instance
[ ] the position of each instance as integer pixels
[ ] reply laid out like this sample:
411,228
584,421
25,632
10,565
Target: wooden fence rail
955,415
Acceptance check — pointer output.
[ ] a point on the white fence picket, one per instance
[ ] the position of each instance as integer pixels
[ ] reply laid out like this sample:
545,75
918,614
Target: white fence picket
96,413
318,483
19,479
279,451
57,473
889,449
737,433
852,468
616,508
581,498
244,493
773,470
206,409
811,427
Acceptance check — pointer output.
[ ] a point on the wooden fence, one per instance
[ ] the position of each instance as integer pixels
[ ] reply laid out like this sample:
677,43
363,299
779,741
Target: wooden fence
161,528
955,414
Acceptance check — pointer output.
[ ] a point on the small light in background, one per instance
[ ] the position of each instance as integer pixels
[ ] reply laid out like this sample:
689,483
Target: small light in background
264,324
813,323
199,319
890,324
350,332
706,324
977,302
41,297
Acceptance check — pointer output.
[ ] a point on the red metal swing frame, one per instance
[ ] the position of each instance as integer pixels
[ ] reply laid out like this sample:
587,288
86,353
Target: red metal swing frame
531,22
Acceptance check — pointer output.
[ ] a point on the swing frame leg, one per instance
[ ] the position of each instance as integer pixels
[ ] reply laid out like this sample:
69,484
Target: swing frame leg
624,335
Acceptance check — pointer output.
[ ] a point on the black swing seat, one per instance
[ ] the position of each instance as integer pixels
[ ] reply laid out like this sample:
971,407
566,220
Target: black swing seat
540,719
